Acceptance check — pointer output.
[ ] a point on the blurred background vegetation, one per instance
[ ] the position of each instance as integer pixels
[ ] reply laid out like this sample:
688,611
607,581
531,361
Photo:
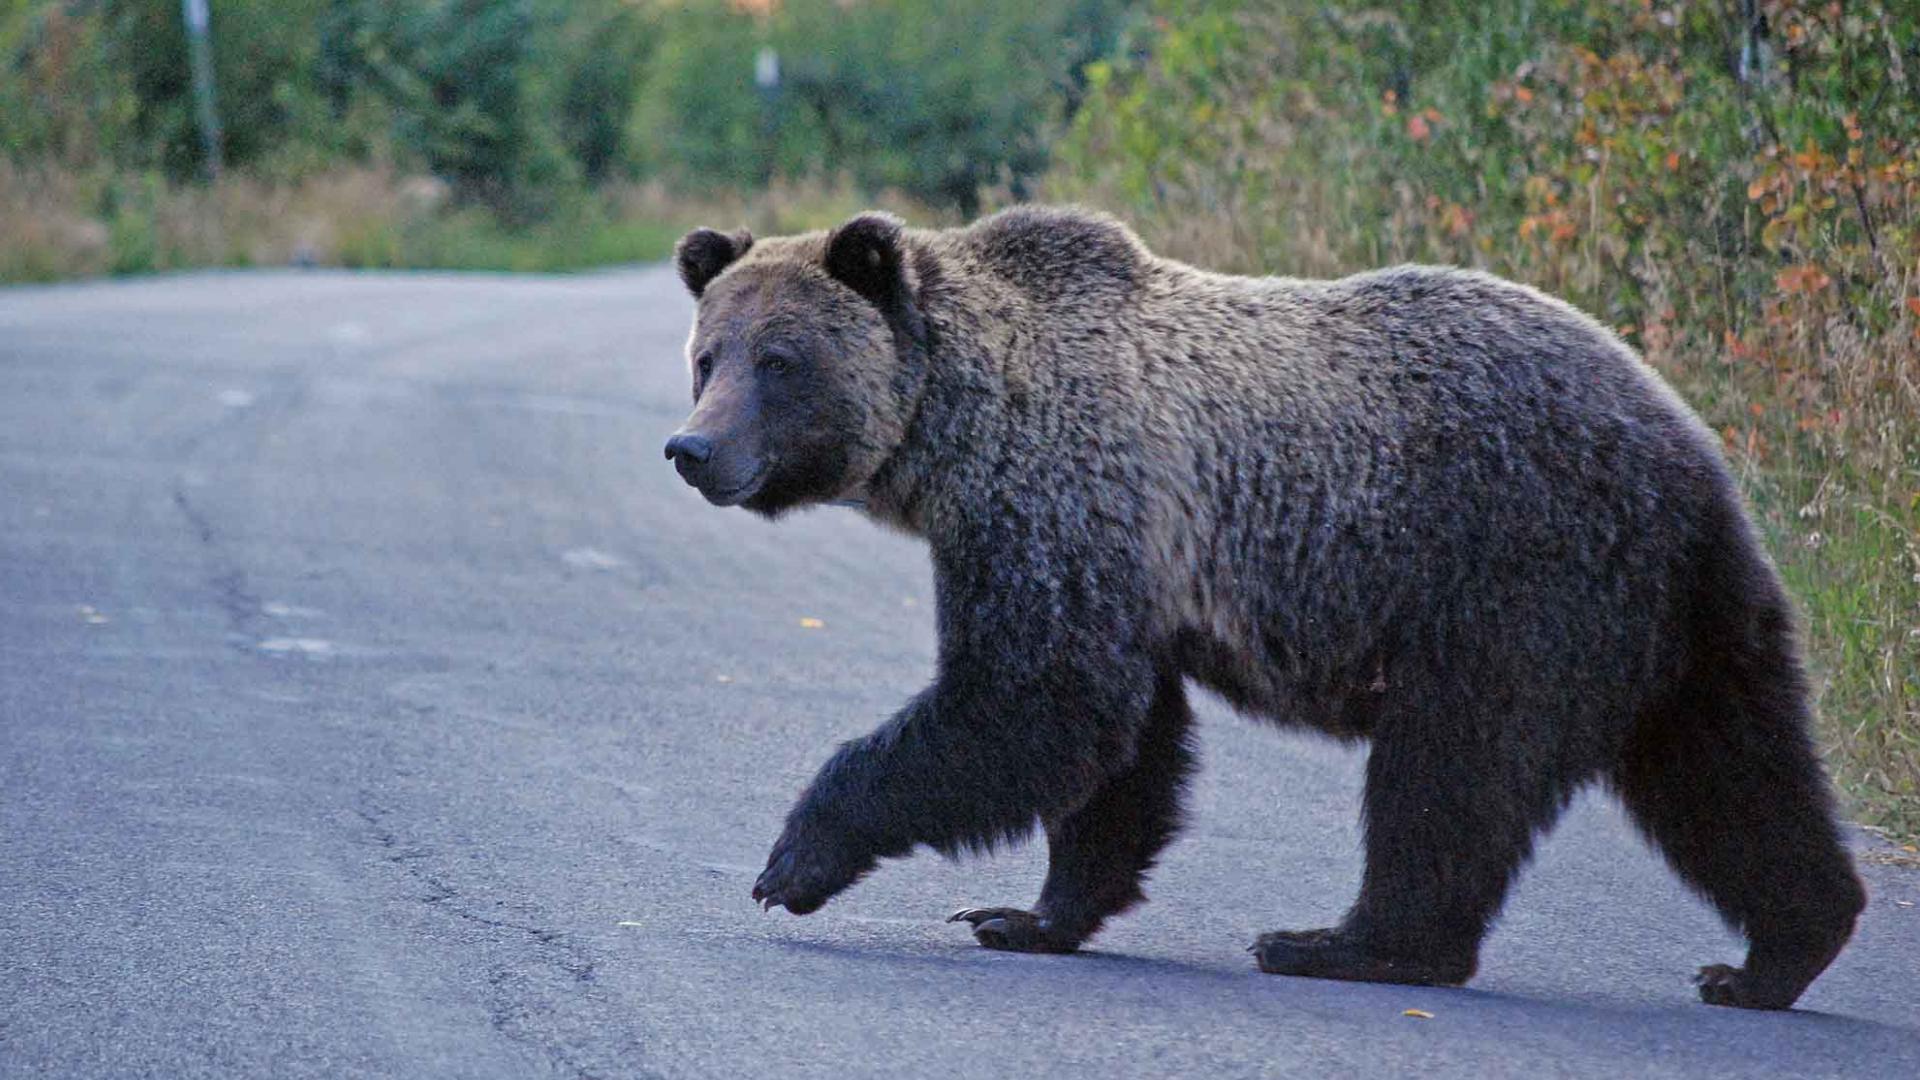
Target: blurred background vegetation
1733,184
523,134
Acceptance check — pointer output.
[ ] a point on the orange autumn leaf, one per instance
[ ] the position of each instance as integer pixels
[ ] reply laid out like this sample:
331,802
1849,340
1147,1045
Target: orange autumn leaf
1804,278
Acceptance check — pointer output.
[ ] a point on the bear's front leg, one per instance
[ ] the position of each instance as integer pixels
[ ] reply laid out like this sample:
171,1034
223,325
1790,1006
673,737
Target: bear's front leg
972,763
1045,685
962,767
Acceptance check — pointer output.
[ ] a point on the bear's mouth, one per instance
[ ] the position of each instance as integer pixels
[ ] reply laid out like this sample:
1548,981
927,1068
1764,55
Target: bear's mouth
739,493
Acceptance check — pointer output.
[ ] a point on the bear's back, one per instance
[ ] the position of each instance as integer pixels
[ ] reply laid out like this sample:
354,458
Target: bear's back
1053,253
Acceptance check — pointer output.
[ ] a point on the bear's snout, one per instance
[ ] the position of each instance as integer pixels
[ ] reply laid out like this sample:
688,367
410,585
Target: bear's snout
689,451
692,456
724,483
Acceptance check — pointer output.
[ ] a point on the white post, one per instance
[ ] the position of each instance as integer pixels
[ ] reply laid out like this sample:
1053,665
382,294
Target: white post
200,53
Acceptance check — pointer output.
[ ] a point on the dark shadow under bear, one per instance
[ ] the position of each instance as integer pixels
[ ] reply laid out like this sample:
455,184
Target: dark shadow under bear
1421,507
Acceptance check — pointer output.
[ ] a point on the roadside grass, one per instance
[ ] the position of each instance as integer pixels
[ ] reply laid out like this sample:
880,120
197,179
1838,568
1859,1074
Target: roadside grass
1853,567
60,224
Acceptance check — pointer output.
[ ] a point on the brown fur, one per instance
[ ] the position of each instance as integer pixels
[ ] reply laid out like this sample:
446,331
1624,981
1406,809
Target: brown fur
1424,507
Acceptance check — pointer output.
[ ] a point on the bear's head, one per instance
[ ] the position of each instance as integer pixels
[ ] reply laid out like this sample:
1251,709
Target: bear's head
805,357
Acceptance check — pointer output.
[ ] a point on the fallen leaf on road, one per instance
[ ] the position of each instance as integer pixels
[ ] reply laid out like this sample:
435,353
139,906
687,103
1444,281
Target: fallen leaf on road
811,624
1417,1014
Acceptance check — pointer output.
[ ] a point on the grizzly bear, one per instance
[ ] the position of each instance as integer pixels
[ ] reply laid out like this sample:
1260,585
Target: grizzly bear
1422,507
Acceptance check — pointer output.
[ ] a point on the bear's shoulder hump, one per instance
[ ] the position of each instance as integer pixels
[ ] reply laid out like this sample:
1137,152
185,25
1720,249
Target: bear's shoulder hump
1059,248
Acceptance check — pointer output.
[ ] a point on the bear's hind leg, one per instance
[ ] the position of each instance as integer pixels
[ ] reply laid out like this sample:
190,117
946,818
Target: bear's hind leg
1098,854
1452,806
1723,779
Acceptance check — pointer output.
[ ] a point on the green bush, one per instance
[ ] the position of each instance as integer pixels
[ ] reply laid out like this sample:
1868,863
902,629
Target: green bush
518,103
463,82
63,95
599,55
934,100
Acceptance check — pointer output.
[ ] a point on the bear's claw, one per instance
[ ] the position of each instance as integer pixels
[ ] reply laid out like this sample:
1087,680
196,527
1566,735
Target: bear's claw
1724,984
1014,930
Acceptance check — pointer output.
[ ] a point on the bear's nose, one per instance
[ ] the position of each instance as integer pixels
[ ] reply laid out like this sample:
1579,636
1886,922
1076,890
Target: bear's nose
696,449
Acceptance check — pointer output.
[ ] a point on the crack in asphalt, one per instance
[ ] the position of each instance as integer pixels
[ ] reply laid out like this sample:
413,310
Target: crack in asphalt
232,592
235,597
513,1005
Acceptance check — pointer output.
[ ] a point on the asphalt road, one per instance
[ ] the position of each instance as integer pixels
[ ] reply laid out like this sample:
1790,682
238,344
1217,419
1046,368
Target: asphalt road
375,701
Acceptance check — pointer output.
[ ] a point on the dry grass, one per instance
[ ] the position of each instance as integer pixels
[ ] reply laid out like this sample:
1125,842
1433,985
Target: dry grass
65,224
47,233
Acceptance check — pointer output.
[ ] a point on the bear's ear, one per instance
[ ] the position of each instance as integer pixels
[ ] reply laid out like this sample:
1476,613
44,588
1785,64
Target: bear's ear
867,256
703,253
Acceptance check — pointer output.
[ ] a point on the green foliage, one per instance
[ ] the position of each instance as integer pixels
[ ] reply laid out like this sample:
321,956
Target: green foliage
263,60
698,119
61,94
508,100
599,54
463,78
508,117
934,100
516,103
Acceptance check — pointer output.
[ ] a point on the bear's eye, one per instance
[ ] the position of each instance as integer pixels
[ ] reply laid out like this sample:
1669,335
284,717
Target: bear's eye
703,367
776,363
